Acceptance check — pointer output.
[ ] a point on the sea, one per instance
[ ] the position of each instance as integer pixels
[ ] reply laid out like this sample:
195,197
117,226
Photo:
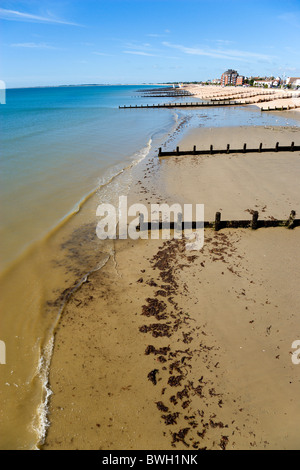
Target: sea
63,151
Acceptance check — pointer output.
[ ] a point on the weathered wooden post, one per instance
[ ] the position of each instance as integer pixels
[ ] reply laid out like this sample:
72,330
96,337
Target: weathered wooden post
245,148
292,146
228,148
195,149
277,146
218,221
260,148
177,150
291,220
211,149
254,224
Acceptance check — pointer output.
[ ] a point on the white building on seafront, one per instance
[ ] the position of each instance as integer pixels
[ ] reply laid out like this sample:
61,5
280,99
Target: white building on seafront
294,82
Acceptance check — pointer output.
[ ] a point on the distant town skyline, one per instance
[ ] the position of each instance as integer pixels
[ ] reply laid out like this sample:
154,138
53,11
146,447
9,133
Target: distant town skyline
51,42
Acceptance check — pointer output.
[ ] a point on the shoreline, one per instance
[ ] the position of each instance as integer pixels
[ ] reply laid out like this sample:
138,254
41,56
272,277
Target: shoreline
42,281
77,207
154,339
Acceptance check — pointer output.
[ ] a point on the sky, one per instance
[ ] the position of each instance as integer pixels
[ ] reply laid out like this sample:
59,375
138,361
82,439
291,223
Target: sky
51,42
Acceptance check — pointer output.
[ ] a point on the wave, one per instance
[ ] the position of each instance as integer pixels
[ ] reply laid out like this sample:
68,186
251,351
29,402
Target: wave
41,422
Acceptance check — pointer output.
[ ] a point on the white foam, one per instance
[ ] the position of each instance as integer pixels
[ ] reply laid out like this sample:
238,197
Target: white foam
41,422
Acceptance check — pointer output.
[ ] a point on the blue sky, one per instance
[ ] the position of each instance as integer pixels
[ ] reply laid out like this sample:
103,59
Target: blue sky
51,42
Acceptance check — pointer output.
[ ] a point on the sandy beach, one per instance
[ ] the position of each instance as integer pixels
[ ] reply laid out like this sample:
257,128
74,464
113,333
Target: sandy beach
150,228
164,348
261,97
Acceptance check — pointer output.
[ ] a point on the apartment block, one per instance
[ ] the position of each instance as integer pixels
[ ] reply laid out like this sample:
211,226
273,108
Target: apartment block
231,77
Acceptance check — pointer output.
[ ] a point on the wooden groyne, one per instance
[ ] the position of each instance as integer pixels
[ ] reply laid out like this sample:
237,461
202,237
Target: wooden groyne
167,95
263,96
229,150
239,97
280,108
257,100
187,105
241,93
219,224
159,90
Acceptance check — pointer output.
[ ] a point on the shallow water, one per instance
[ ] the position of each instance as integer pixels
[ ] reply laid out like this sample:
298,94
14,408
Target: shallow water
57,146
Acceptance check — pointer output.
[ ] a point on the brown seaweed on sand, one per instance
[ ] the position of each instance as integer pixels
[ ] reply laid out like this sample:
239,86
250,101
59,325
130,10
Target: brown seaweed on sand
152,376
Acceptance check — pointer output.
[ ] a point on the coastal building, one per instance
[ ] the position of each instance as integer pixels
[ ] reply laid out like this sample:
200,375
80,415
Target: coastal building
267,82
231,77
240,80
276,82
293,82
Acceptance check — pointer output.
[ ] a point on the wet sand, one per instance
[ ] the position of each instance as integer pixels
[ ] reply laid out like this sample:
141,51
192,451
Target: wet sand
165,348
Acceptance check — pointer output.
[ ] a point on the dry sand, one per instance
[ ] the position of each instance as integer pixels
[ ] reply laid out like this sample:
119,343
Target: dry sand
165,348
238,183
292,103
261,97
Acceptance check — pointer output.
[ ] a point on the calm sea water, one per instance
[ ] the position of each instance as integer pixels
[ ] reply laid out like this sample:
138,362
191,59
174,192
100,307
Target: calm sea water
57,147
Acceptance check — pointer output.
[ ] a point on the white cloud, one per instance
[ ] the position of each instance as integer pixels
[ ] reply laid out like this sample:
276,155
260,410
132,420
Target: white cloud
12,15
102,54
139,53
229,54
224,42
156,35
147,54
33,45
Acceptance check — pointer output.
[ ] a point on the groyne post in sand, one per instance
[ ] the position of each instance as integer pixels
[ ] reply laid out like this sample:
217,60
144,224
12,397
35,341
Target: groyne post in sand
254,223
218,221
291,221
